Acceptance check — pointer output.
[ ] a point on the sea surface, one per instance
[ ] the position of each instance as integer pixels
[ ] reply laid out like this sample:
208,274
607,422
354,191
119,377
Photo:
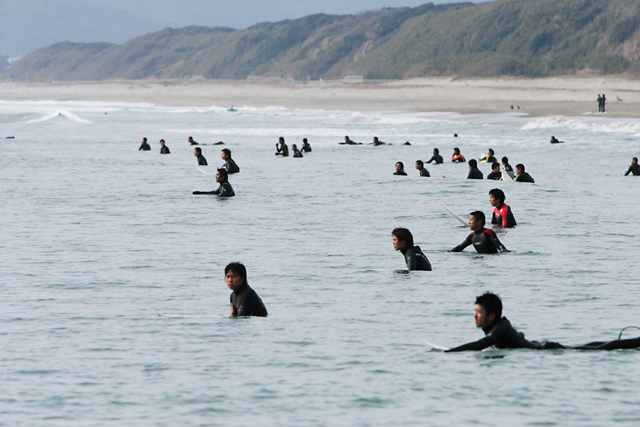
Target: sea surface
115,310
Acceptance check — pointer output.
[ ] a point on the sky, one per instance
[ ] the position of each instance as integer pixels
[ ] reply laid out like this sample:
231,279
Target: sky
28,25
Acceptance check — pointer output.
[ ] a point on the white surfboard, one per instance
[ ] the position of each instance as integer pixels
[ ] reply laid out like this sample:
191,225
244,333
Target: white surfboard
434,346
506,176
202,170
455,215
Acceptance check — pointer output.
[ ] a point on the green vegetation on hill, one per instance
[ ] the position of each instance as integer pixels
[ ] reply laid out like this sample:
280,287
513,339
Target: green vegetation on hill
507,37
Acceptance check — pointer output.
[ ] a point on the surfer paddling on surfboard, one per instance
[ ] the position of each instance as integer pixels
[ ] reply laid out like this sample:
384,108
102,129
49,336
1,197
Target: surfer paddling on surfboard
500,334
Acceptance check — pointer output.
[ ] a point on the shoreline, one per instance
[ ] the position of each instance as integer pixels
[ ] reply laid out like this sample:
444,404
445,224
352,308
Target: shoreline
567,96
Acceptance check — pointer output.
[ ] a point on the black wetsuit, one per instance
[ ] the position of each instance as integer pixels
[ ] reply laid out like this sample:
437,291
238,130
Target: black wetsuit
297,153
503,217
415,259
501,334
474,174
525,177
495,176
224,190
246,302
283,150
231,166
424,172
194,142
485,241
403,173
306,148
165,150
202,161
436,158
633,169
144,147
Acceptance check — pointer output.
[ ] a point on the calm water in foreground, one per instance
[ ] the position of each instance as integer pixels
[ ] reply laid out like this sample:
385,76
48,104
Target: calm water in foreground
115,311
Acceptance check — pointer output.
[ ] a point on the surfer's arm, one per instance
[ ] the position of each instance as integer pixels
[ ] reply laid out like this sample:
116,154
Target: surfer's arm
481,344
462,245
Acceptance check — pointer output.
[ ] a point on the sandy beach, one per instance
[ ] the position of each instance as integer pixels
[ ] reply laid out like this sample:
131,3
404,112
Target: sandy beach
568,96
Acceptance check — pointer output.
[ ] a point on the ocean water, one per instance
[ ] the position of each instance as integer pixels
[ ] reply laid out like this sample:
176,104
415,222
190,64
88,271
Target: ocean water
115,310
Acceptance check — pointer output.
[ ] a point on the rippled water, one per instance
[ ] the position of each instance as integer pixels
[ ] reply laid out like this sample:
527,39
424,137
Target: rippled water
115,311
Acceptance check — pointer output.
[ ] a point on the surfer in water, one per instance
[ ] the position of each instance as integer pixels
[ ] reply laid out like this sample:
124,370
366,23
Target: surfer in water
306,148
192,142
198,153
496,173
376,141
224,189
296,152
436,157
507,167
500,334
400,169
457,157
502,215
348,141
229,164
420,166
483,240
281,148
244,300
403,242
490,157
163,148
144,146
522,176
634,169
474,172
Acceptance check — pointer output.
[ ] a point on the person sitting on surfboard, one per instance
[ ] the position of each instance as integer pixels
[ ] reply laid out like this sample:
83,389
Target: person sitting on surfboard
436,157
144,146
483,240
522,175
400,169
474,172
413,256
420,166
224,189
507,167
496,173
229,164
281,148
198,153
634,168
244,300
163,148
489,158
457,157
500,334
502,215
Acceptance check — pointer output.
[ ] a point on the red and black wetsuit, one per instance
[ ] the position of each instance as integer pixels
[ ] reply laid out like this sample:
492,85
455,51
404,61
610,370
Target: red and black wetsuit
484,240
503,217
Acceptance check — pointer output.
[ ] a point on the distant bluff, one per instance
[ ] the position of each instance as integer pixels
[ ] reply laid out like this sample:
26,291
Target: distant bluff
532,38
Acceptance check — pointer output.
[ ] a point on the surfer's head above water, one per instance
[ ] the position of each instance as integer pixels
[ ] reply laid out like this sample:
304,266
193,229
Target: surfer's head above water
402,238
476,220
496,197
488,309
235,274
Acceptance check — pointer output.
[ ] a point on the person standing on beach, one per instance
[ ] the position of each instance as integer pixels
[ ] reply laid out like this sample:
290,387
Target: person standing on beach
634,169
604,99
144,146
474,172
281,148
163,148
198,153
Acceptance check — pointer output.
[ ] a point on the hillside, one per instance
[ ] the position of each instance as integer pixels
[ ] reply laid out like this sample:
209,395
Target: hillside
507,37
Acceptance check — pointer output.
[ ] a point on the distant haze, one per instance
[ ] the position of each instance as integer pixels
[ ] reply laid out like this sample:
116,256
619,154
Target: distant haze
28,25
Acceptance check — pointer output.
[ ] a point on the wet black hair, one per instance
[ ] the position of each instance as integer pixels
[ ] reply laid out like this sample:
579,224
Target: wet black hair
226,151
401,165
436,151
520,166
304,140
636,159
223,173
456,150
498,194
281,139
473,163
420,162
239,269
198,149
404,235
495,165
479,215
491,304
505,159
144,139
491,151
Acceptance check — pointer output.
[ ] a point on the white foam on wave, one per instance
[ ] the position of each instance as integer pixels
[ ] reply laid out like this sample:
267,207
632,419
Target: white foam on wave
60,114
587,124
